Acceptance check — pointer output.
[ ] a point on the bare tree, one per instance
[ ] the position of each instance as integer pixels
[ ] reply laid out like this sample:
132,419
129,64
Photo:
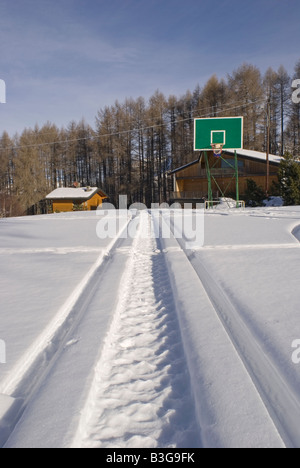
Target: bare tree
271,110
246,91
30,182
293,126
135,142
283,86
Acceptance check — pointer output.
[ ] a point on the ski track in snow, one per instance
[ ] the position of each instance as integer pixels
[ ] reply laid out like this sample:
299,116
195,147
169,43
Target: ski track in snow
141,394
52,250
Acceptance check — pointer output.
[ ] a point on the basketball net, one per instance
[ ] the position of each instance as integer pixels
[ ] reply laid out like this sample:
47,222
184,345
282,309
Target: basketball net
217,149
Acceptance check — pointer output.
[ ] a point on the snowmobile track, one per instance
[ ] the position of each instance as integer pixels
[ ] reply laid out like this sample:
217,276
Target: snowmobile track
268,389
29,372
280,400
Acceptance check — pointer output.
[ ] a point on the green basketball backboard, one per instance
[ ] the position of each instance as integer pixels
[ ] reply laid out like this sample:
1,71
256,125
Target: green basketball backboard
227,131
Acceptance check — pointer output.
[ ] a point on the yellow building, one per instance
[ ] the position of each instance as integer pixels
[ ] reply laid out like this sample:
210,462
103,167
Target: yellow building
80,198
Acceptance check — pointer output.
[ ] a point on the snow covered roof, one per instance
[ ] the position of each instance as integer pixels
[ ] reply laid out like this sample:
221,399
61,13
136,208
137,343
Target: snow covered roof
82,193
244,153
257,155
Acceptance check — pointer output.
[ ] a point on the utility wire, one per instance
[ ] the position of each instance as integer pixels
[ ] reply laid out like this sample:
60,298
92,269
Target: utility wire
125,132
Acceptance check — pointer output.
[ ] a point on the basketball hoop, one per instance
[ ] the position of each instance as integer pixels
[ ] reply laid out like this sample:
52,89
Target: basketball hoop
217,149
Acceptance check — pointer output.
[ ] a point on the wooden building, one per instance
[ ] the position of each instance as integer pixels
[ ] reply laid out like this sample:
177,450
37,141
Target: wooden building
72,199
190,182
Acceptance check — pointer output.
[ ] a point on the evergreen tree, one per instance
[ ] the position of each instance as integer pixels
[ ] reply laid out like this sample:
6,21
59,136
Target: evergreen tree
255,194
289,180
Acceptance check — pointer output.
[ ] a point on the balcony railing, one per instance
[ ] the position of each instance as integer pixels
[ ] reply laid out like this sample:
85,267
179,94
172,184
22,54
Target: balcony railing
226,173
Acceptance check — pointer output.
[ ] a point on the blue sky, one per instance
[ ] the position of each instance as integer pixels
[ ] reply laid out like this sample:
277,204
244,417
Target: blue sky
63,60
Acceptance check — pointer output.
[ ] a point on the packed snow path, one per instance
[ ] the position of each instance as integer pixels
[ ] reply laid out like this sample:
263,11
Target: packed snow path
141,394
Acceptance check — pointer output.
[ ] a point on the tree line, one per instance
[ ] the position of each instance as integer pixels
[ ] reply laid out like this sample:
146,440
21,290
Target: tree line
135,143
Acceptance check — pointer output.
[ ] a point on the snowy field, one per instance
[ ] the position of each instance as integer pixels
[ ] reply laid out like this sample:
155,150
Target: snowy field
122,343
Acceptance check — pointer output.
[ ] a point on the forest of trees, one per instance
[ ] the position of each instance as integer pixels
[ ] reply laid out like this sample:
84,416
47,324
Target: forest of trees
135,143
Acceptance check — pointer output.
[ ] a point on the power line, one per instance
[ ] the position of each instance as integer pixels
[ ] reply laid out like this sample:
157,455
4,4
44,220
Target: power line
124,132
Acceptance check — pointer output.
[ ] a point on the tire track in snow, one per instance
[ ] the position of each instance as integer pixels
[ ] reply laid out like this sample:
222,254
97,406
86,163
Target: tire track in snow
250,414
141,394
279,399
43,349
29,372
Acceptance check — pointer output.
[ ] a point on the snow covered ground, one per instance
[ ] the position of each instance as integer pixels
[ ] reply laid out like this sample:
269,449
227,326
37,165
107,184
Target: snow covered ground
141,343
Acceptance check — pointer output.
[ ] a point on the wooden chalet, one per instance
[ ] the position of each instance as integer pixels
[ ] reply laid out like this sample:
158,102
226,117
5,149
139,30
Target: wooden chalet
190,184
78,198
